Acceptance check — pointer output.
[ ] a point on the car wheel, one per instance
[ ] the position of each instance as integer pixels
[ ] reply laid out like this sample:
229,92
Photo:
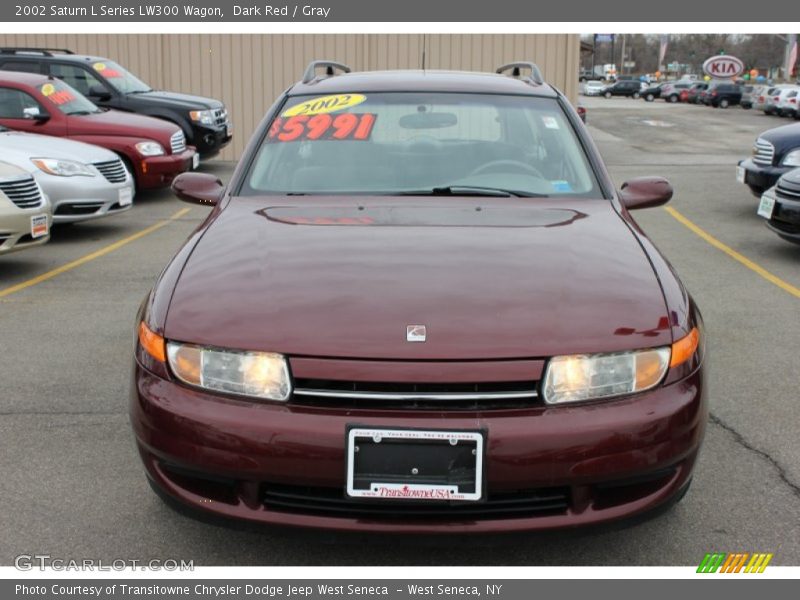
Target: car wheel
649,98
724,103
637,95
607,94
673,99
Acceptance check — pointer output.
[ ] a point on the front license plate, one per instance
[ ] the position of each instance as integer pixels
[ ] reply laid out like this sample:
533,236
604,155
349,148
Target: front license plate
414,464
766,206
195,161
740,174
39,226
125,196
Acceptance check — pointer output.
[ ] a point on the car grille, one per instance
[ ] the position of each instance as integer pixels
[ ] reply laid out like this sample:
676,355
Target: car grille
763,152
333,502
178,142
790,193
433,396
22,192
220,116
113,170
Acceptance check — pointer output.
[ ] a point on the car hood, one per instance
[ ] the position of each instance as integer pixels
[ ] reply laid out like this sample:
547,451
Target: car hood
489,278
176,100
18,146
125,124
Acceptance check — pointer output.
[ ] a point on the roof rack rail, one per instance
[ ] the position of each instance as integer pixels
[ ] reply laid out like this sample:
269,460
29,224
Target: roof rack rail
516,71
42,51
330,67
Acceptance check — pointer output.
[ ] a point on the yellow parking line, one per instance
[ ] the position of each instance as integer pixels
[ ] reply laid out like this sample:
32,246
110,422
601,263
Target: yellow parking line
89,257
785,286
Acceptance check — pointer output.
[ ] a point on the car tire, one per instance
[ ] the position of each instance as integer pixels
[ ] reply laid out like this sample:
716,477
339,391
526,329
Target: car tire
724,103
673,99
607,94
637,95
649,98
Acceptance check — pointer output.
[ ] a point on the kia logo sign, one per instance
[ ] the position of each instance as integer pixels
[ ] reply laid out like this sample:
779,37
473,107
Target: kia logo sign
723,66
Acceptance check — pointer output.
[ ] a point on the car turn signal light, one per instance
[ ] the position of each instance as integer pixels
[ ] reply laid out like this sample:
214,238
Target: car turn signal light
152,343
684,348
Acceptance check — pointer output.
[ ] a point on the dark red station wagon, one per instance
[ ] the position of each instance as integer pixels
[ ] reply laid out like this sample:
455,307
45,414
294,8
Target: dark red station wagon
154,150
420,306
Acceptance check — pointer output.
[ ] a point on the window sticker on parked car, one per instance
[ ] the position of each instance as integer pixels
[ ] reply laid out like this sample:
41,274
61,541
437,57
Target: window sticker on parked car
550,122
57,97
103,69
347,126
561,185
325,104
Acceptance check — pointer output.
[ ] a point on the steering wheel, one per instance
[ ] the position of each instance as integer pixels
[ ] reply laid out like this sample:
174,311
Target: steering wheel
502,166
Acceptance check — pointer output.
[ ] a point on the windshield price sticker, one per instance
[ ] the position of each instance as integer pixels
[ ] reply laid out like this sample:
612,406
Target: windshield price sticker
348,126
325,104
103,69
57,97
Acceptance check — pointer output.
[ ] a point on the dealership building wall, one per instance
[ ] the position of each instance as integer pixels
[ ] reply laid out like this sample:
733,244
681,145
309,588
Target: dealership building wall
247,71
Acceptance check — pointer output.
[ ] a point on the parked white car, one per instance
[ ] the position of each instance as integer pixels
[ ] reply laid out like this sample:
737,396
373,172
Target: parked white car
785,103
774,97
25,216
81,181
594,88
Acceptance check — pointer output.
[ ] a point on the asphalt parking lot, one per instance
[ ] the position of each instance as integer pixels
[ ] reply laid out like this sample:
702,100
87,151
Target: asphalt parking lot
73,486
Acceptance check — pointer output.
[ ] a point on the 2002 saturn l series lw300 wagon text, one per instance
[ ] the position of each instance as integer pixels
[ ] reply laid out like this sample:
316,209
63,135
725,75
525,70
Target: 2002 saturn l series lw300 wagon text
420,306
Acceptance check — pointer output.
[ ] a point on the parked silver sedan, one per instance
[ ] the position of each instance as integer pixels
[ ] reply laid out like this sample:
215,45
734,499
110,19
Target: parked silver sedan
82,181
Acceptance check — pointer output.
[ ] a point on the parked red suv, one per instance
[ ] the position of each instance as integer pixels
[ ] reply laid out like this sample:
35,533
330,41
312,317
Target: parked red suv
154,150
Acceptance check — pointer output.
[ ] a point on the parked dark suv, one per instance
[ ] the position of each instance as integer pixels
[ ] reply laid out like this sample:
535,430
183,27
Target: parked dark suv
204,121
776,152
725,95
624,88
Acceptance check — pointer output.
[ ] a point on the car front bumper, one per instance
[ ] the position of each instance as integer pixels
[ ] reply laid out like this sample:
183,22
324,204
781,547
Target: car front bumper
209,141
785,219
15,227
229,458
76,199
759,178
159,171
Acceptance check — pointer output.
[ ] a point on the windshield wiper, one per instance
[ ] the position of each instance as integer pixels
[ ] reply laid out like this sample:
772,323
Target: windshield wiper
81,113
141,91
471,190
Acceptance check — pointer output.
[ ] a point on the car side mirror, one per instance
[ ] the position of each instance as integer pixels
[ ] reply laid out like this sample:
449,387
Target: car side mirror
645,192
198,188
98,92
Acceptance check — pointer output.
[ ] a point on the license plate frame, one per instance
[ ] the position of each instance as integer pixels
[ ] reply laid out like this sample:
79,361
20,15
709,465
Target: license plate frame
766,206
402,447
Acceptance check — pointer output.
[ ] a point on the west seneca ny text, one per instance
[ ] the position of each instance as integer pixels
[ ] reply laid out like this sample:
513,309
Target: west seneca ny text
187,11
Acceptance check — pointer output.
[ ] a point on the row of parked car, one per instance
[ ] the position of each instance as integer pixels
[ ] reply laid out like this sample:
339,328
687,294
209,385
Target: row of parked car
79,135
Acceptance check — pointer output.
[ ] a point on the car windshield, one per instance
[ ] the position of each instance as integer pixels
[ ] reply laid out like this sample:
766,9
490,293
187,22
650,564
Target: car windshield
120,79
67,99
425,143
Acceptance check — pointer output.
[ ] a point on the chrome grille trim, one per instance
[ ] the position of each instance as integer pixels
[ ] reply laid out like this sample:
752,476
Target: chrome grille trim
403,396
177,142
113,170
24,193
220,116
786,193
763,152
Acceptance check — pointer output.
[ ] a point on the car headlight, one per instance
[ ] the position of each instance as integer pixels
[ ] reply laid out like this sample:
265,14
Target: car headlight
149,149
205,117
792,159
63,168
254,374
593,376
